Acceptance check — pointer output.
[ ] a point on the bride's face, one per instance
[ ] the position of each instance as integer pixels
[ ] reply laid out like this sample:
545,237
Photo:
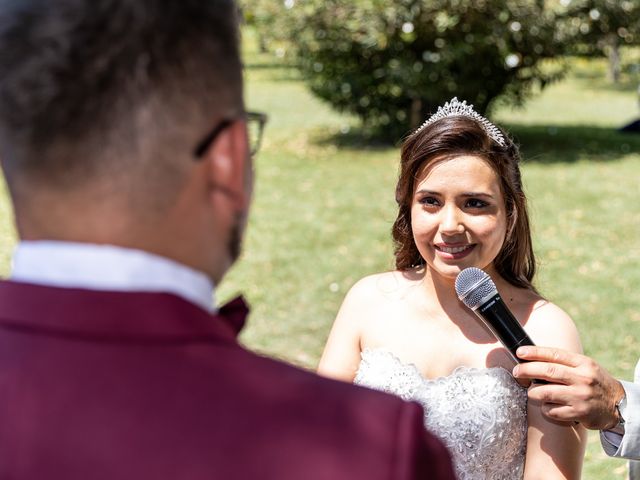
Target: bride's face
458,215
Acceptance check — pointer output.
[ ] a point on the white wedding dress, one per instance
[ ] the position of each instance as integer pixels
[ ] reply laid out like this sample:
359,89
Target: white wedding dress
480,414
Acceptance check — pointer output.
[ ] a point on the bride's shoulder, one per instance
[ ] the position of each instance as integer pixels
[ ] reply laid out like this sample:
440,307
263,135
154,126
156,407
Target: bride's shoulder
385,284
368,299
549,325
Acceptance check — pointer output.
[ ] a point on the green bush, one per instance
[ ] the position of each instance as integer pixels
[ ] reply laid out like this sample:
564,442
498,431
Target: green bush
393,63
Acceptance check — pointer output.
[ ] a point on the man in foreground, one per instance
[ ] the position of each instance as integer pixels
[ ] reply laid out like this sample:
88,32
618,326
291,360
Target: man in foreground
123,139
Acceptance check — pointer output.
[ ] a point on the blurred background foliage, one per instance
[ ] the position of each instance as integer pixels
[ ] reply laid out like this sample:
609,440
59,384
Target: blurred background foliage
392,63
603,28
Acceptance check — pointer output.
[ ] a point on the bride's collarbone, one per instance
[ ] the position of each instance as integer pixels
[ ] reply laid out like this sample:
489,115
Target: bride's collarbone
438,329
432,341
439,355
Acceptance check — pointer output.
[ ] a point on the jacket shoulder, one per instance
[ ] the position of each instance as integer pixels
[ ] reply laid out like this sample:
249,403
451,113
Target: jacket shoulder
360,426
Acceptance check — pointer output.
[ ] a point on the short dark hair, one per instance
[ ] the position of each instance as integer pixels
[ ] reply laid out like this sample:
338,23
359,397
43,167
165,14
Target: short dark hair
447,138
88,87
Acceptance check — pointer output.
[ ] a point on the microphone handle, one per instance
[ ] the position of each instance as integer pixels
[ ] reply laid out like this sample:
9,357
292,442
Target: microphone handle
505,327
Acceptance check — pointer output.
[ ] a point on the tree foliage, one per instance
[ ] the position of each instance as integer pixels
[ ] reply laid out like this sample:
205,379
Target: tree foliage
592,21
393,63
601,27
270,19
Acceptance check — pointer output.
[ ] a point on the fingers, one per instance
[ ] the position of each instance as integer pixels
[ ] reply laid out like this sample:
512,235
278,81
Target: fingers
560,413
556,402
552,394
524,382
551,372
548,354
559,404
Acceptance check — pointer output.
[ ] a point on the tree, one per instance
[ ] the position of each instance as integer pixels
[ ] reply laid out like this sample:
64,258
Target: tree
601,27
393,63
268,17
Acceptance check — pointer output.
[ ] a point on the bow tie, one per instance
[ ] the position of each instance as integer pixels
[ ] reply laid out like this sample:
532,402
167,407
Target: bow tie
234,313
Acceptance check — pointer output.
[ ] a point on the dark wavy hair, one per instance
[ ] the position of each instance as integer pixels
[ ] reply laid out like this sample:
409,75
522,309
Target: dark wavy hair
448,138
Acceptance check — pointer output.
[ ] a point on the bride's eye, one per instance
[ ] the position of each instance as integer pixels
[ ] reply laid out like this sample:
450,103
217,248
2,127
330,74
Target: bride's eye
475,203
429,201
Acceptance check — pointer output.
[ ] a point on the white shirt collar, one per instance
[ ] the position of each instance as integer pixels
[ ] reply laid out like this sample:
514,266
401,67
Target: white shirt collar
107,267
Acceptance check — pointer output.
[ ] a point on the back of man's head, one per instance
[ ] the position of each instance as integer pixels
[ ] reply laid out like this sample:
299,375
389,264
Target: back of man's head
111,96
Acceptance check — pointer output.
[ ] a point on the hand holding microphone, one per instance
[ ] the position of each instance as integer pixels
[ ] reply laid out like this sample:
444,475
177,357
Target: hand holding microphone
582,390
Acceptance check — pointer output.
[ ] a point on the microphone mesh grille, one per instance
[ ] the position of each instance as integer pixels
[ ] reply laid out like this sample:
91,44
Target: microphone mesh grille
472,285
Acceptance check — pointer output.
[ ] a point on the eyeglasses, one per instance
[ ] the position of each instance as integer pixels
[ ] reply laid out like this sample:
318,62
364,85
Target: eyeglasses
255,126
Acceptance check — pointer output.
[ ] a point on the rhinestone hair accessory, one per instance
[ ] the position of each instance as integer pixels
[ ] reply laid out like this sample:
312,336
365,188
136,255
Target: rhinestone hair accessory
455,108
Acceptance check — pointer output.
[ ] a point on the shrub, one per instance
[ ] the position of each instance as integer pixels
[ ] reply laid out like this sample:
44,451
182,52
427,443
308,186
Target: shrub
393,63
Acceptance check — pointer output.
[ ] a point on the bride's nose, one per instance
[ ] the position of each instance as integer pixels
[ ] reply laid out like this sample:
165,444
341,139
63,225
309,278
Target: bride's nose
451,221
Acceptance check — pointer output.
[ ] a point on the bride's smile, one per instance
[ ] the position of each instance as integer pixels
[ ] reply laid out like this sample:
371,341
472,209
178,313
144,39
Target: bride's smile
452,252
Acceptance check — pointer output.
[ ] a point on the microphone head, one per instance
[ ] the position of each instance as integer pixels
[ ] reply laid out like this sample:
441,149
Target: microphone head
473,285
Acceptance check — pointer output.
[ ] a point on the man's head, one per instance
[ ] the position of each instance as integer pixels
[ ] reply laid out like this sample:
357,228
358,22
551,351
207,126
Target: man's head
102,104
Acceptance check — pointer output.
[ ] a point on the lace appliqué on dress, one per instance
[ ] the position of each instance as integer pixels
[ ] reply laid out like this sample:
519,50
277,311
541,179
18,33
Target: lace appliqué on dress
480,414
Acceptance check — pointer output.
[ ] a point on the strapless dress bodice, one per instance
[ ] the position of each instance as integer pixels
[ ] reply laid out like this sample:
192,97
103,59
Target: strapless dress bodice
480,414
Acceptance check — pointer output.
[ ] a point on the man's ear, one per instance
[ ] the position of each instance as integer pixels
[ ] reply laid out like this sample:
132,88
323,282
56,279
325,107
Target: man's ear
228,161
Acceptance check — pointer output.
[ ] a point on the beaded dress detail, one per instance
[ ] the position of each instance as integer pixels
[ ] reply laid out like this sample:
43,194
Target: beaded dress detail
480,414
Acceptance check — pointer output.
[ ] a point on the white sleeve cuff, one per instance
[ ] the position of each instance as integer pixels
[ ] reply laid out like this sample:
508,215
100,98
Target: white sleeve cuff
610,442
627,445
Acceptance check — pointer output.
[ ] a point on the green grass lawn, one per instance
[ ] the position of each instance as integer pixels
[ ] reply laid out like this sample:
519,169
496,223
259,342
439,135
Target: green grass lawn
324,207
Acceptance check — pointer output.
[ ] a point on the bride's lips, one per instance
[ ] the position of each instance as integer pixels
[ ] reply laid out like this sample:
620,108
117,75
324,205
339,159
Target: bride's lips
453,251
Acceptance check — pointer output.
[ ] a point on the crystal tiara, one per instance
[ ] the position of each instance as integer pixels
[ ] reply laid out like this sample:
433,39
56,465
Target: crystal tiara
454,108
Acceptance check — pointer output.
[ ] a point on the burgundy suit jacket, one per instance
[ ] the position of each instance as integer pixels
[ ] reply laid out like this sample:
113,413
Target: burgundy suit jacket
117,385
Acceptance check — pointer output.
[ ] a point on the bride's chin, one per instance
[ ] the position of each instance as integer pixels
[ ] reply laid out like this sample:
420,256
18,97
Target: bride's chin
447,274
451,271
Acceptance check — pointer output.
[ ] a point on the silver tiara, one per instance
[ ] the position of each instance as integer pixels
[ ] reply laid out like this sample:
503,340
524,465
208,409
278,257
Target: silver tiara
454,108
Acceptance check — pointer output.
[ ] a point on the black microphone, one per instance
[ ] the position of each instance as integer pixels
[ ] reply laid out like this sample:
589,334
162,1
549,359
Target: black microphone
478,292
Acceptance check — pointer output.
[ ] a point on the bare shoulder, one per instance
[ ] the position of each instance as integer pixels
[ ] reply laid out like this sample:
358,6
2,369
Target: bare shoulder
550,326
362,308
382,287
374,296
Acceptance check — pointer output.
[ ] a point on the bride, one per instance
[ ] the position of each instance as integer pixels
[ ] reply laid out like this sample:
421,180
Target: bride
461,204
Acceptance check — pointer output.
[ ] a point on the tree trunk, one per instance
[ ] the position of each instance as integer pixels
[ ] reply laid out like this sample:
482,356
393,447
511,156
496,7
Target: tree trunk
416,113
262,44
613,54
